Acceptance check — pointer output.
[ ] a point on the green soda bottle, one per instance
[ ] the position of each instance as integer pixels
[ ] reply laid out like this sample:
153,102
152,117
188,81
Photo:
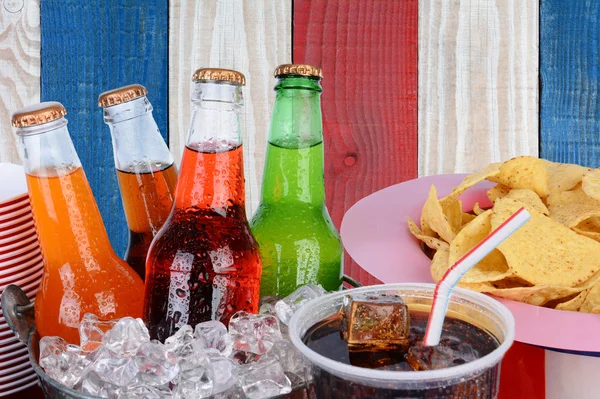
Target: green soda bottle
298,242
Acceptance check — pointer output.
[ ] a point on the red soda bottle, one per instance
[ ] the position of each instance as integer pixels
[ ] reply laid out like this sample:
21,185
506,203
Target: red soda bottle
204,263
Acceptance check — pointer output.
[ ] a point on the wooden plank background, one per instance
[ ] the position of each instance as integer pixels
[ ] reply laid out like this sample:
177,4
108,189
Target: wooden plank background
478,90
19,67
368,52
252,37
473,90
92,46
570,81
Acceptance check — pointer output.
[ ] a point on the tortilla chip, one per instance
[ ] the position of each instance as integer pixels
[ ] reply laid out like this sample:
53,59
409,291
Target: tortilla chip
591,303
541,176
439,264
431,242
498,191
477,210
544,252
591,183
491,268
538,295
466,218
529,198
573,304
570,208
471,180
434,217
453,212
589,228
563,176
524,172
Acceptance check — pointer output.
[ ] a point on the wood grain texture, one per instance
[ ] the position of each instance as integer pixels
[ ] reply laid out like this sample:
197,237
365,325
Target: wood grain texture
19,67
368,52
92,46
478,83
570,81
252,37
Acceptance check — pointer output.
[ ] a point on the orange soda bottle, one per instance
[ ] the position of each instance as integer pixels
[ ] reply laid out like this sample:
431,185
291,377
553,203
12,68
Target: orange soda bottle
82,273
145,169
204,264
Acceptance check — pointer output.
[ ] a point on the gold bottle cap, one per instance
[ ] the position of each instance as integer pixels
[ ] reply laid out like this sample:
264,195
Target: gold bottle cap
299,69
219,75
121,95
38,114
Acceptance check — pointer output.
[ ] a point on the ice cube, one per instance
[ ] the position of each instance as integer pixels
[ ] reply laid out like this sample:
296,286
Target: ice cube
263,379
194,383
61,361
126,336
223,374
437,357
286,307
182,336
51,346
155,367
254,333
91,331
291,360
267,305
115,371
376,321
215,337
92,384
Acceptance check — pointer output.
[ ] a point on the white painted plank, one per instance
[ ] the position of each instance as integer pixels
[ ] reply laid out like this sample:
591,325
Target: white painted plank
478,83
250,36
19,66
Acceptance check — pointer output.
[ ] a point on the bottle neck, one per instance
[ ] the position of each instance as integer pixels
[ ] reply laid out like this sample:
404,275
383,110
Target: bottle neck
67,218
138,146
294,169
212,167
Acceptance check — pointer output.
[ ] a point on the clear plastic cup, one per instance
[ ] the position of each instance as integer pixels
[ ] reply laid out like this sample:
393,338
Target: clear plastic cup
477,379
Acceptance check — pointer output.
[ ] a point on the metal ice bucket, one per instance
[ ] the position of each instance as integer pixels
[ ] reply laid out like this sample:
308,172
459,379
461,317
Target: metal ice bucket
18,312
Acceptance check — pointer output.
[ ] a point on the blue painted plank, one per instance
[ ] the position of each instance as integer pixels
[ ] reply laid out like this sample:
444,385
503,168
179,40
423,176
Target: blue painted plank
570,81
96,45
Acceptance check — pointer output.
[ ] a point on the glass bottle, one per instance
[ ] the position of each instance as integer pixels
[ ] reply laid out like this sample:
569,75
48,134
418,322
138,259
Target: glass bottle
204,264
298,242
145,169
82,273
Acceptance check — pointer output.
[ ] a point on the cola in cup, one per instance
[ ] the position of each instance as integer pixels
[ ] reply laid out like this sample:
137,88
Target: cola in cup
368,343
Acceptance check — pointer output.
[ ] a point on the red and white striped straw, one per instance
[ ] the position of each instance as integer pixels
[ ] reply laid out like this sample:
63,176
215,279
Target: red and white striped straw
441,295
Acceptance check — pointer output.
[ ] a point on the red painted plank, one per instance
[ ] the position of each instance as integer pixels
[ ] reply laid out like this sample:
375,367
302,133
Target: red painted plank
368,52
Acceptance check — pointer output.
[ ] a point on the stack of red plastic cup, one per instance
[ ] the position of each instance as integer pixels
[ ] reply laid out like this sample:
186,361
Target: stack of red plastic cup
20,264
